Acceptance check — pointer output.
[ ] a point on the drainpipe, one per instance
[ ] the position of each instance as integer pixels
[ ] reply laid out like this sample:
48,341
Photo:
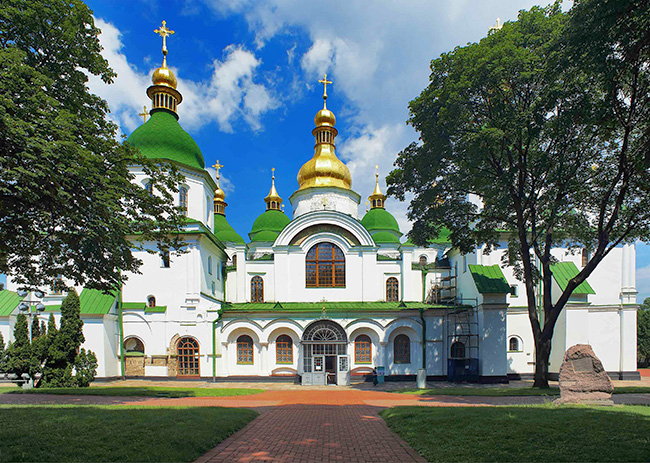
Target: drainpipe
424,339
121,329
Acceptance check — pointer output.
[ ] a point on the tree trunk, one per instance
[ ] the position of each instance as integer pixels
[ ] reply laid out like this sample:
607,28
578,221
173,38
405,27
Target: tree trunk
542,354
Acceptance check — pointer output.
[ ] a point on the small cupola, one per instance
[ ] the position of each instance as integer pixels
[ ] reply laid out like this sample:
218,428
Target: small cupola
377,198
163,93
273,200
219,195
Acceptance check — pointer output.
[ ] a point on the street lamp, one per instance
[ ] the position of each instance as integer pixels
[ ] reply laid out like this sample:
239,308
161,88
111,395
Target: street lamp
31,306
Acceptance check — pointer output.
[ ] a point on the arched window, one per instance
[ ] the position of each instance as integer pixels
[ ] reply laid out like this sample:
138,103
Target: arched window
284,349
325,266
585,257
244,350
188,357
133,346
257,289
458,350
392,290
210,265
149,187
514,345
182,200
402,349
362,349
151,301
423,260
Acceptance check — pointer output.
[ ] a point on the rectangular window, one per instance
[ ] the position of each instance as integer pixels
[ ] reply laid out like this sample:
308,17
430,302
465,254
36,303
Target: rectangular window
514,290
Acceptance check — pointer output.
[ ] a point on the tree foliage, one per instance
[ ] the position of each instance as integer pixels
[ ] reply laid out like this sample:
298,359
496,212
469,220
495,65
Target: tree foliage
20,355
3,356
643,333
537,135
66,196
85,368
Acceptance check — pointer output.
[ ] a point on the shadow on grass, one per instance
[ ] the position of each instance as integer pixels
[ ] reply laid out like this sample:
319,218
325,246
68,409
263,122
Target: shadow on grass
77,433
119,391
525,433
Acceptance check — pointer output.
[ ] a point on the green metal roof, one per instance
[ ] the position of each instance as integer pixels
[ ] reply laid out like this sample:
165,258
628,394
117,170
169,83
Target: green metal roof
380,219
383,237
134,305
156,309
9,300
443,237
224,232
162,137
564,271
93,302
329,306
489,279
268,225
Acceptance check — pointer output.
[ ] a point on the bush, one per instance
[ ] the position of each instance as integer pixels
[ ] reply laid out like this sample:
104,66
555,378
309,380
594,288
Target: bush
85,366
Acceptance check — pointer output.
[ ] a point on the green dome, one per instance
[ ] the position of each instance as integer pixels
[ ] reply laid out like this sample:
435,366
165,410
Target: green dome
379,219
268,226
162,137
383,237
224,231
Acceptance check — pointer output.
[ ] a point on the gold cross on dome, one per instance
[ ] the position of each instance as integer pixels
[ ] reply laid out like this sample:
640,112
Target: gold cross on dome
144,113
217,167
377,171
324,81
164,33
272,172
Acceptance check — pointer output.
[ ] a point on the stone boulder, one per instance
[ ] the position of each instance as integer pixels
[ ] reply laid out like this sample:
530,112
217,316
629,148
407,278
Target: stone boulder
583,378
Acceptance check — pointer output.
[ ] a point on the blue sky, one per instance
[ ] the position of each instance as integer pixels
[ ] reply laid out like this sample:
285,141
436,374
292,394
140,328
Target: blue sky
248,72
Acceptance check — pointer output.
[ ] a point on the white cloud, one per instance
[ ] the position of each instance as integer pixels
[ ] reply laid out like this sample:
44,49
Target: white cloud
230,95
378,57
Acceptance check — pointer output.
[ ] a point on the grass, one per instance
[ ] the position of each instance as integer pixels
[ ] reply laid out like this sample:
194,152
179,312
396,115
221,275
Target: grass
508,391
525,433
483,391
114,433
137,391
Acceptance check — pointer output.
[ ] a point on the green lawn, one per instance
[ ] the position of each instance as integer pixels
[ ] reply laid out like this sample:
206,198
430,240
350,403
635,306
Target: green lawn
483,391
508,391
525,433
137,391
114,433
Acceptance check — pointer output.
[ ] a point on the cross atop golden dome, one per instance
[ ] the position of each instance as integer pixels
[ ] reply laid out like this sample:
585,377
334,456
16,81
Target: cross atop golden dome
324,169
273,200
219,195
377,198
163,92
163,75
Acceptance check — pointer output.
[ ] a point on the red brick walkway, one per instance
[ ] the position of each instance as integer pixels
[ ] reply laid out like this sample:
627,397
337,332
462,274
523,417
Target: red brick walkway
314,433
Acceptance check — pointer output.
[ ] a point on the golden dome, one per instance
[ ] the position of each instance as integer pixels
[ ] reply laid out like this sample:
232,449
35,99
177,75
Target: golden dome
324,169
325,117
377,198
273,200
219,195
164,76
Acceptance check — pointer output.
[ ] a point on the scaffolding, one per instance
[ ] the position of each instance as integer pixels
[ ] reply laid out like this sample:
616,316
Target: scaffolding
461,321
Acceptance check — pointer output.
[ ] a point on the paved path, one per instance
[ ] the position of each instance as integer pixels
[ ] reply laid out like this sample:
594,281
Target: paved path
323,425
314,433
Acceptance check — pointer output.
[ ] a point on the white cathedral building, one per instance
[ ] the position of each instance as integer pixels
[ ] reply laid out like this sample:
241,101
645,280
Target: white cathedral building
322,294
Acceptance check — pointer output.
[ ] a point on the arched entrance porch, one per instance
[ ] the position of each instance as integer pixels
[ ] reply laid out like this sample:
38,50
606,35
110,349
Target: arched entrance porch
324,350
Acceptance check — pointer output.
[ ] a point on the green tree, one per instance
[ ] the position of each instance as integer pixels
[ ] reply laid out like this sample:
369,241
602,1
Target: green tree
521,141
36,328
85,368
69,207
643,333
20,357
3,355
64,344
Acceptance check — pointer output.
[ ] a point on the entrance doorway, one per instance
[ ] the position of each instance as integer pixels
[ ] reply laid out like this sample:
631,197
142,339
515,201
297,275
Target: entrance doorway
188,358
323,341
330,368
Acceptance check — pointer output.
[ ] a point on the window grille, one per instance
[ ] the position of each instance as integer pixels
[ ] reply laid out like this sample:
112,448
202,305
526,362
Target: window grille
257,289
402,349
325,266
392,290
284,349
245,350
362,349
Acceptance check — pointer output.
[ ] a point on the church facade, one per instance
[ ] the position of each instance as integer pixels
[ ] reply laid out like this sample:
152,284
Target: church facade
324,295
